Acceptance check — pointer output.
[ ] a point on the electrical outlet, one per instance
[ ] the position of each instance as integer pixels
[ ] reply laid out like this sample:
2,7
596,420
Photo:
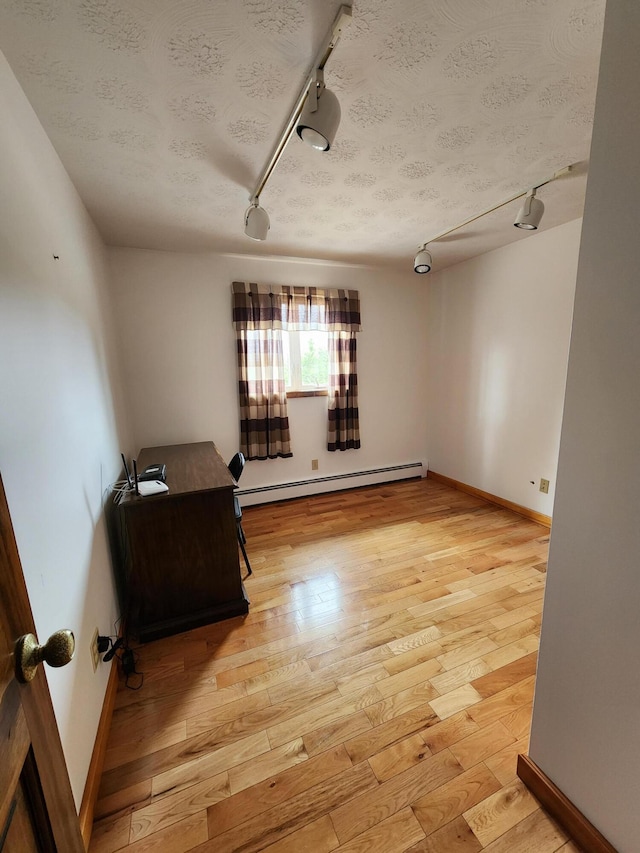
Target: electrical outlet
544,486
314,464
95,656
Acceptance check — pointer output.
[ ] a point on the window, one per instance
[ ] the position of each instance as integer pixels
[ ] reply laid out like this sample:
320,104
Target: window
295,337
306,360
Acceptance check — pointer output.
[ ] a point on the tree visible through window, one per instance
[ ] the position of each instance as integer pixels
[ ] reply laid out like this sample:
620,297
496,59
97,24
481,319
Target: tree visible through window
306,358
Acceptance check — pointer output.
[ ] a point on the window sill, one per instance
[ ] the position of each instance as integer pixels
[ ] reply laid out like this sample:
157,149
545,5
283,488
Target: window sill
321,392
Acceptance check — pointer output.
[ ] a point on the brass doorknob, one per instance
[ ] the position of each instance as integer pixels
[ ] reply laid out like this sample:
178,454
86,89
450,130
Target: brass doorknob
57,651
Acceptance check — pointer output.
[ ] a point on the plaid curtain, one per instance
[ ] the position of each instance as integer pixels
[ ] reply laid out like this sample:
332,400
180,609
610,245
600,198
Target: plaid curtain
260,314
264,425
264,306
344,424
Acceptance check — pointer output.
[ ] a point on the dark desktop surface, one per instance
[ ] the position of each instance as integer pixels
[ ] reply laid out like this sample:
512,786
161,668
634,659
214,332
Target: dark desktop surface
189,468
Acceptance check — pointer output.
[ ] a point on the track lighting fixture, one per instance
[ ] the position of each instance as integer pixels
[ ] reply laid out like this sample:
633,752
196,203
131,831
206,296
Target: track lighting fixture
530,213
315,117
423,262
320,116
256,221
528,218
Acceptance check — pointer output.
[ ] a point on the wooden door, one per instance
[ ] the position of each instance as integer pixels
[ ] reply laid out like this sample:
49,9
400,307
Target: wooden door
37,811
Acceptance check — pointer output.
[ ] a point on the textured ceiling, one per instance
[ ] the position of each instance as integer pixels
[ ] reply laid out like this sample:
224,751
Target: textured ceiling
165,112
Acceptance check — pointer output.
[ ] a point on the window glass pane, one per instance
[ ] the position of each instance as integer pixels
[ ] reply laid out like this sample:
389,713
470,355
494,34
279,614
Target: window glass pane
314,357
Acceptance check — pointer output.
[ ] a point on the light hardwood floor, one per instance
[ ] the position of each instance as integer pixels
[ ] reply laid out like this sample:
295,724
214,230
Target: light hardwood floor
374,700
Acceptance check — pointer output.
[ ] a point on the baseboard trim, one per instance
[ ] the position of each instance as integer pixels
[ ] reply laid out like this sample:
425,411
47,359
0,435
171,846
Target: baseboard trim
331,483
92,785
531,514
561,808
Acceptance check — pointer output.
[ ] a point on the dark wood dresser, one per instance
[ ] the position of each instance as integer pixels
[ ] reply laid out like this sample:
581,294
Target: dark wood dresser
182,560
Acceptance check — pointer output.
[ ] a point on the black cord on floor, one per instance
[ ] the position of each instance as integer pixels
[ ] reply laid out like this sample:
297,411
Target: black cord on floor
128,661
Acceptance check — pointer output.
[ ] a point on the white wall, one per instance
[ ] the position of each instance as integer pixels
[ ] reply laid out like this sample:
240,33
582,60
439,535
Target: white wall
178,344
586,732
498,338
59,441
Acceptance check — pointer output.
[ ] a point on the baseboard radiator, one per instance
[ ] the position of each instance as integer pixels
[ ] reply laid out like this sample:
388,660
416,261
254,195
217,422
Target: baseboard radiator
331,483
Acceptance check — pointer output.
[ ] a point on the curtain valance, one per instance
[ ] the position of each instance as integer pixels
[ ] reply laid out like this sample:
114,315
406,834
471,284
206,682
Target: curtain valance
263,306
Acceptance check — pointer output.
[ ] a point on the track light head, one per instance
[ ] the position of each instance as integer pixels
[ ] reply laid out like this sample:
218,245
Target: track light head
320,117
530,213
423,262
256,221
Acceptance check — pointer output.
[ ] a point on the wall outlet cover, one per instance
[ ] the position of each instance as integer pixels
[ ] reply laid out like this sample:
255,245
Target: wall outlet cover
95,656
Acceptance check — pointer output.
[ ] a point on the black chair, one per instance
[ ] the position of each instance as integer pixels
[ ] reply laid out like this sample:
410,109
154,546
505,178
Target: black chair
236,467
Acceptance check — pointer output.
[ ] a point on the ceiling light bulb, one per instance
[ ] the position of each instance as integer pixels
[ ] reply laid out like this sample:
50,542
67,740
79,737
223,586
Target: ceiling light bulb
256,222
313,138
423,261
318,126
530,213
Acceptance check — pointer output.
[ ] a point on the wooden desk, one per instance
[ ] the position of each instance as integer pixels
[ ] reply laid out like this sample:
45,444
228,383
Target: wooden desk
182,563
